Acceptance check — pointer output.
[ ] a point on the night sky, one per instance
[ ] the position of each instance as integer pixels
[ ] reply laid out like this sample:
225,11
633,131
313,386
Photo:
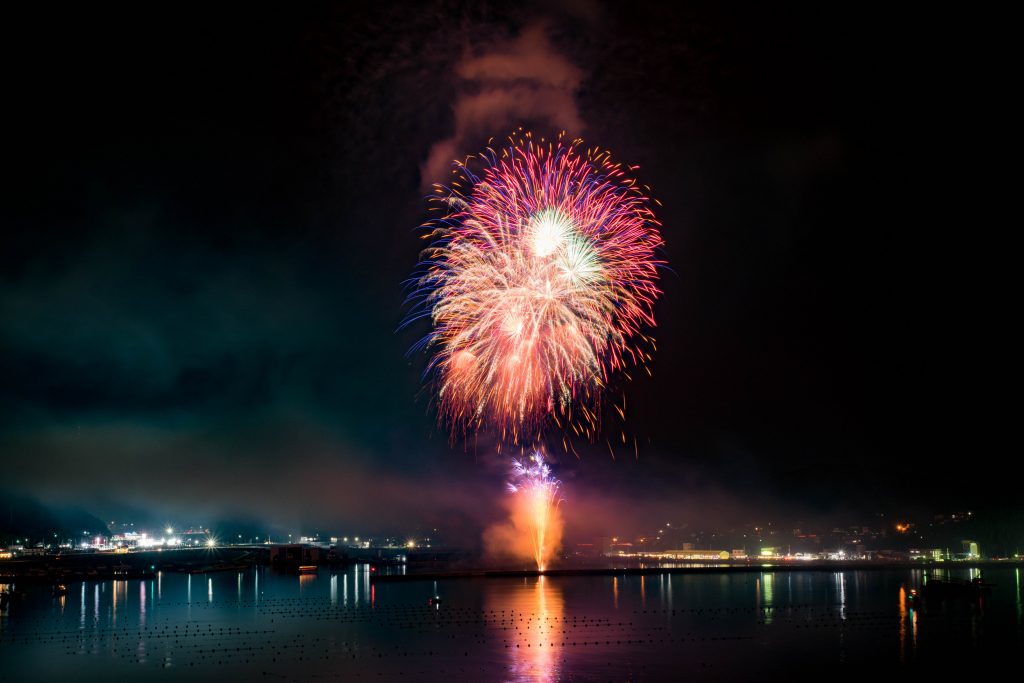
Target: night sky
209,214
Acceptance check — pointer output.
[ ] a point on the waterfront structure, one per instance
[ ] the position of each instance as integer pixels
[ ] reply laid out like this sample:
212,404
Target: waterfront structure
685,554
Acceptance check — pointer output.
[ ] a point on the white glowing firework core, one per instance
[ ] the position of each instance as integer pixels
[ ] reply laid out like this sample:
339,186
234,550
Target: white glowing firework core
549,230
512,325
578,261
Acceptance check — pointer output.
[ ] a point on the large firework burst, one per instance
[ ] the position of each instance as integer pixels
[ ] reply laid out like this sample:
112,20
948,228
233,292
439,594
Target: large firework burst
540,277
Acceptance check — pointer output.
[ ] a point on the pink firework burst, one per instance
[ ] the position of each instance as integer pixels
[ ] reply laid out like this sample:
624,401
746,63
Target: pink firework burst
541,276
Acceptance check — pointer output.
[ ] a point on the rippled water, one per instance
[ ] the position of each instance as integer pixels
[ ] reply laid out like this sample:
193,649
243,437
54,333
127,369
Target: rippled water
257,625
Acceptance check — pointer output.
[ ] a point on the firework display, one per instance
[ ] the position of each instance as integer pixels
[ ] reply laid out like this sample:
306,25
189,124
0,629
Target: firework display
537,500
540,277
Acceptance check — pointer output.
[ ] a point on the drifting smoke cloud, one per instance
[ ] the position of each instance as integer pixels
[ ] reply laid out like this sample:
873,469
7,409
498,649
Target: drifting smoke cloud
512,540
523,79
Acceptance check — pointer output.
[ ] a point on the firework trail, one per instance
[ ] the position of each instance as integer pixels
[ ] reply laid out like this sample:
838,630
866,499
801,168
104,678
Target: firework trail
536,494
539,279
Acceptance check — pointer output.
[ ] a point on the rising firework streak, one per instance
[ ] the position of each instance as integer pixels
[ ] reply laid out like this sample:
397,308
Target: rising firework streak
536,493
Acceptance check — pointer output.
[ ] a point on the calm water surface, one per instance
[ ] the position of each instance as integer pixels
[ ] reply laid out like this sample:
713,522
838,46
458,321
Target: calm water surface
258,625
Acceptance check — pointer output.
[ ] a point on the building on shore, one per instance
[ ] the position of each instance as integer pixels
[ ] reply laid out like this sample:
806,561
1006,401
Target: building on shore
685,555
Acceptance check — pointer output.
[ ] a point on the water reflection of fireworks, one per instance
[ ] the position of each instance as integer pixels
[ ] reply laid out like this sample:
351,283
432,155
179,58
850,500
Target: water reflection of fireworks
537,613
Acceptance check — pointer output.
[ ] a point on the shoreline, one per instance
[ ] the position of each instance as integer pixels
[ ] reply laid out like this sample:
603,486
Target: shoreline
709,569
147,565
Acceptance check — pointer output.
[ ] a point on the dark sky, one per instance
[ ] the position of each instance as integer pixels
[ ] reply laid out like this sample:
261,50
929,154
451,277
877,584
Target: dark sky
209,214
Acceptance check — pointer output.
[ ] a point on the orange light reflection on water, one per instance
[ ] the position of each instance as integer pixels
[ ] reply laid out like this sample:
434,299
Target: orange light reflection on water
903,625
533,630
908,619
